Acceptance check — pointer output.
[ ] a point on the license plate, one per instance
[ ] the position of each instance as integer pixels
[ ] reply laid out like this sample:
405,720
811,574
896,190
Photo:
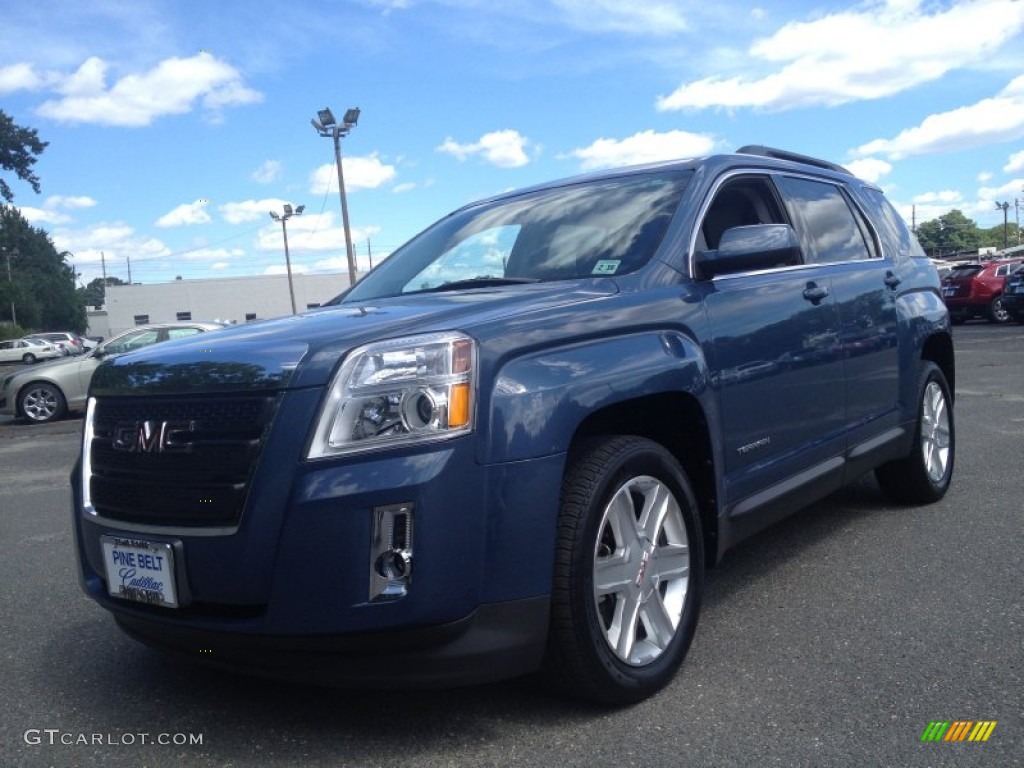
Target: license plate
141,571
948,291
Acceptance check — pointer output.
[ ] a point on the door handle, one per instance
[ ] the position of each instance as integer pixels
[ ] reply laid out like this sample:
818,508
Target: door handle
815,293
892,280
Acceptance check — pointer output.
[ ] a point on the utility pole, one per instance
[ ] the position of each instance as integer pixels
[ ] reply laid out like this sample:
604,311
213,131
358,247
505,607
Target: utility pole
1005,207
103,264
369,253
129,258
10,279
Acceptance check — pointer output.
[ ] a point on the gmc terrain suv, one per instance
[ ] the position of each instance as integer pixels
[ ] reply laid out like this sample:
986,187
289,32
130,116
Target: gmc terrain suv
519,442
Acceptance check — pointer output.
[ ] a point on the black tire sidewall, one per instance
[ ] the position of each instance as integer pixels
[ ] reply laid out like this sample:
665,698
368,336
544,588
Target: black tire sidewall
636,457
930,373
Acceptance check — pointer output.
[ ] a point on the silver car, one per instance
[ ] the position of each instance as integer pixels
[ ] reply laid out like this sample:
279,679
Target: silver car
47,392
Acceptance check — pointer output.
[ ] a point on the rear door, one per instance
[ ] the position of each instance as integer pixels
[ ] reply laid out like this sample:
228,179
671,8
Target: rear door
865,283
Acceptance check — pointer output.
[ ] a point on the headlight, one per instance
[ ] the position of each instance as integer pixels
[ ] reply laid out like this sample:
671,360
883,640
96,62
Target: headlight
397,392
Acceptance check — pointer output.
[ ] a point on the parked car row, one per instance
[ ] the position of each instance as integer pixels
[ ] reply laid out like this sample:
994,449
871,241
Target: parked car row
977,290
46,393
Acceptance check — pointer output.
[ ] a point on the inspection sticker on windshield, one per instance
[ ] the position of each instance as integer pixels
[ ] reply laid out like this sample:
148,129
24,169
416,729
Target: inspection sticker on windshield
141,571
606,267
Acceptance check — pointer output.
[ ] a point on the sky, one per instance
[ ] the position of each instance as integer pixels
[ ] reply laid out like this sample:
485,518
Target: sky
175,128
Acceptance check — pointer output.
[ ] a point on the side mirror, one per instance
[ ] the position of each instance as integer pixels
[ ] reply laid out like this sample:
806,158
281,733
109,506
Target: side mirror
757,246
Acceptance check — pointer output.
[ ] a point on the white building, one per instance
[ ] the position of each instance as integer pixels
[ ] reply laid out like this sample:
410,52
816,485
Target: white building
230,300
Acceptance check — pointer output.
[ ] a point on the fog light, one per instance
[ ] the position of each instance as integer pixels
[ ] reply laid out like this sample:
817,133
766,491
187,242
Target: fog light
391,552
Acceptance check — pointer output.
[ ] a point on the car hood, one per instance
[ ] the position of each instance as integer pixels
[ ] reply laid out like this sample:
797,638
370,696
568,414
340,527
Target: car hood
303,350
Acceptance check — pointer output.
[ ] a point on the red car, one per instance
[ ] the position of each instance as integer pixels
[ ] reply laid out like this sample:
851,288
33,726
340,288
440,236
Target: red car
976,290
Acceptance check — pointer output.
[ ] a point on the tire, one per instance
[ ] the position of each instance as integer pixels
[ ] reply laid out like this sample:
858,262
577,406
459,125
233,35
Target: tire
923,476
625,596
28,358
41,402
997,313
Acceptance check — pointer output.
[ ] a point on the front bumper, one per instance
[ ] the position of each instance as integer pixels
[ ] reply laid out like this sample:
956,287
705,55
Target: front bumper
496,642
290,588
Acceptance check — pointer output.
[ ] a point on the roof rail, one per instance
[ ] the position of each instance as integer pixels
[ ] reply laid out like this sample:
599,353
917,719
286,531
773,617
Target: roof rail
782,154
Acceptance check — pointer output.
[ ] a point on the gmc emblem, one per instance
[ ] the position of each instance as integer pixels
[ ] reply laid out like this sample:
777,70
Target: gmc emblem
153,436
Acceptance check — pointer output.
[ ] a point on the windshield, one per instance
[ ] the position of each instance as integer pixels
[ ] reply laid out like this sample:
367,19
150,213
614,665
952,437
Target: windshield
590,229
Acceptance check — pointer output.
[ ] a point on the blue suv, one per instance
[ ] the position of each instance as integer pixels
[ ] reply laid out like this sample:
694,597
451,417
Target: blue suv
519,443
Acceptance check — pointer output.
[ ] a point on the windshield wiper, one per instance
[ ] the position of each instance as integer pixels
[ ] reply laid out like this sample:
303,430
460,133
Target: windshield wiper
478,282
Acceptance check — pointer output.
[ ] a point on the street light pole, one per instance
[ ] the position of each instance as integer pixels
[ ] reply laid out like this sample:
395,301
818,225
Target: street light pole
283,218
326,125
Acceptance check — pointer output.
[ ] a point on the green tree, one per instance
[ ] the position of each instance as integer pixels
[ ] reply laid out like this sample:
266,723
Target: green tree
950,233
19,149
95,293
40,284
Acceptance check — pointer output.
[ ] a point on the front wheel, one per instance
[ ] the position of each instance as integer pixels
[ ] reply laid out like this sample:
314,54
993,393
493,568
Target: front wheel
924,475
42,402
629,571
28,358
997,312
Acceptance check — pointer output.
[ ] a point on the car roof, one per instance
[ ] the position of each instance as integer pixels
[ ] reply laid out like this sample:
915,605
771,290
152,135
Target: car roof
750,156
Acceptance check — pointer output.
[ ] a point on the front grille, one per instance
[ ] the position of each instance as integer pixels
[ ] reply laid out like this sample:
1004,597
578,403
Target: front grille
181,461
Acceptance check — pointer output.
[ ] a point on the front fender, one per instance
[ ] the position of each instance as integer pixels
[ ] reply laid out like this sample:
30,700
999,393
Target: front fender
539,400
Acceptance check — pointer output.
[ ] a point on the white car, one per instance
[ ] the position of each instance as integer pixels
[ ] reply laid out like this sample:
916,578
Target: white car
27,351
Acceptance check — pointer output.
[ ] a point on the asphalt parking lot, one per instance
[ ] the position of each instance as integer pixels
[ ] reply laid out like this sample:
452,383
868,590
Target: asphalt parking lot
832,639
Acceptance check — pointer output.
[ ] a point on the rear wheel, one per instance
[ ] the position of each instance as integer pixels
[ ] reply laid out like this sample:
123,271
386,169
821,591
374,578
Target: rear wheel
924,475
629,571
28,358
42,402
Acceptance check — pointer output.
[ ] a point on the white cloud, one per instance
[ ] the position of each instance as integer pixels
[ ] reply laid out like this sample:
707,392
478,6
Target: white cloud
945,197
1015,163
43,215
22,77
113,244
184,214
504,149
648,18
984,177
70,201
999,118
360,173
644,147
877,50
1003,192
407,186
172,87
50,213
314,232
869,168
250,210
269,171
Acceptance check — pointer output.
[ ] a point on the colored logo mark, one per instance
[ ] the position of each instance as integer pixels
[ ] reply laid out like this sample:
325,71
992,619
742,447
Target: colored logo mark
958,730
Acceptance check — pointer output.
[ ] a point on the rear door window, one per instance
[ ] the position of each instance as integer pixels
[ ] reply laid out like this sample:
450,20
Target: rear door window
834,230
